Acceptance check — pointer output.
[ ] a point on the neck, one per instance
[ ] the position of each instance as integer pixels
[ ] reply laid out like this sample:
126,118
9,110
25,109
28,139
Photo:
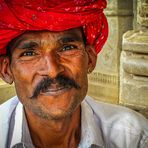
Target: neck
55,133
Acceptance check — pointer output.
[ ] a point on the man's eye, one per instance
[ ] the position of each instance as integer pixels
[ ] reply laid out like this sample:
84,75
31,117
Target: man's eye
28,53
69,47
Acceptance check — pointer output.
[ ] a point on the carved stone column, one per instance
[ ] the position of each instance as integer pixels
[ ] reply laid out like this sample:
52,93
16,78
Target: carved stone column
104,81
134,62
142,9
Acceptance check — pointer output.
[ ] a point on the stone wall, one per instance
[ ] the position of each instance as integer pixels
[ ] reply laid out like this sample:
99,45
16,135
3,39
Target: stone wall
121,75
134,62
6,91
104,81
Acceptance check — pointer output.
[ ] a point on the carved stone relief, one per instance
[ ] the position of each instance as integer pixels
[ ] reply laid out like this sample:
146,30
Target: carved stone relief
142,15
134,71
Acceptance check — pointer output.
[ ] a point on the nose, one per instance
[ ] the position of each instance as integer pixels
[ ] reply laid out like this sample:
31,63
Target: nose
50,65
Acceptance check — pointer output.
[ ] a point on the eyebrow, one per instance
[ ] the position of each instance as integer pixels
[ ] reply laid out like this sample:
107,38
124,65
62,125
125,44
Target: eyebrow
70,38
22,44
27,45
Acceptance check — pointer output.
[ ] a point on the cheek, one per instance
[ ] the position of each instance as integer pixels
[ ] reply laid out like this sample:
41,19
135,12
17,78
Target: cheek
22,72
81,64
23,77
79,69
78,62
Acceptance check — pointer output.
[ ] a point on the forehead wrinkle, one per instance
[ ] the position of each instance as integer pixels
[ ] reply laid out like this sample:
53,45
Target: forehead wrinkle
63,36
47,40
46,37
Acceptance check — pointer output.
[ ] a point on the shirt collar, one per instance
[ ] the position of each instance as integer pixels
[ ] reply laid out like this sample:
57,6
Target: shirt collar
90,131
17,131
21,136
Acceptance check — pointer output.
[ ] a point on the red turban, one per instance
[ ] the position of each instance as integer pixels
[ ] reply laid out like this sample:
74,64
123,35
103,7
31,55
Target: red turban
17,16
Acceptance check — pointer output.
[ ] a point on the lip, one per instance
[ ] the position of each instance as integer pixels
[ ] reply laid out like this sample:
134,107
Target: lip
55,91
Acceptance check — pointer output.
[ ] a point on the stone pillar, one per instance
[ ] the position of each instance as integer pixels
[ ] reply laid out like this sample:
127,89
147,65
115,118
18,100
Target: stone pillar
134,62
104,81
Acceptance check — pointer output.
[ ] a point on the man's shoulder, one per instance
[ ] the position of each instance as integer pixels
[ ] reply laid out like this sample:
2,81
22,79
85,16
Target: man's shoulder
119,122
12,101
6,111
115,112
8,106
118,116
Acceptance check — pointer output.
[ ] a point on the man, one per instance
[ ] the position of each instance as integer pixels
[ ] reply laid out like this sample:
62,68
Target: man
49,48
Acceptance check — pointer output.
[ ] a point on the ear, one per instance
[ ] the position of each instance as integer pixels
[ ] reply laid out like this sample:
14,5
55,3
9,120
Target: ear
5,71
92,58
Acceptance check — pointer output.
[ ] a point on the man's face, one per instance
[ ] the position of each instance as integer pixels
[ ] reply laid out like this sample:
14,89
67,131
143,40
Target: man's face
49,70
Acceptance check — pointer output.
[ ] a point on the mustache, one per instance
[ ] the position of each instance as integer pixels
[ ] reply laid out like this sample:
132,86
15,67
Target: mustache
45,83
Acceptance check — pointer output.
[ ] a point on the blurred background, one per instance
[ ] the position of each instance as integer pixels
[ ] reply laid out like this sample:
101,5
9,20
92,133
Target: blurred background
121,74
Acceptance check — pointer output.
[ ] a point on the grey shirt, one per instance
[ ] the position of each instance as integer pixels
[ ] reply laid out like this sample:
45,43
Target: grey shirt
102,126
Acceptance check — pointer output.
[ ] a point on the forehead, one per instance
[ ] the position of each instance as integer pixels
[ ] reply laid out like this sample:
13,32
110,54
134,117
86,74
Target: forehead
41,35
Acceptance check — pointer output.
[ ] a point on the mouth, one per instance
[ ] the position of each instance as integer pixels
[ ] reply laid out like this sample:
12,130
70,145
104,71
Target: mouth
54,91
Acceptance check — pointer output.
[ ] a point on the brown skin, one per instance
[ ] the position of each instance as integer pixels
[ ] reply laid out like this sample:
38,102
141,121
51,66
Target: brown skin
54,116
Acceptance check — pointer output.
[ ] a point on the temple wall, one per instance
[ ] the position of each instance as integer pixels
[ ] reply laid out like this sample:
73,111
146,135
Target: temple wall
121,75
134,62
104,81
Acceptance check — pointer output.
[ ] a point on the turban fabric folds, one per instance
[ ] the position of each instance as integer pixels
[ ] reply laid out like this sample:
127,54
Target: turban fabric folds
18,16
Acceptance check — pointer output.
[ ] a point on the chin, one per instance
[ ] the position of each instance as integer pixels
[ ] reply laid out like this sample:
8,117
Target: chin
55,111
